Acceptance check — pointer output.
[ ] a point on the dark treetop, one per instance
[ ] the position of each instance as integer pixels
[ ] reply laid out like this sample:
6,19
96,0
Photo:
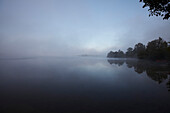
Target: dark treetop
158,7
157,49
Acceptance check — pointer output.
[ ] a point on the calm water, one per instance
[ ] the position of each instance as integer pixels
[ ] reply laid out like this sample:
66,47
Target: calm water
84,85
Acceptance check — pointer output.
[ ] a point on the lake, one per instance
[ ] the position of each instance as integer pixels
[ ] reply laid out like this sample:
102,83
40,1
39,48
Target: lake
83,85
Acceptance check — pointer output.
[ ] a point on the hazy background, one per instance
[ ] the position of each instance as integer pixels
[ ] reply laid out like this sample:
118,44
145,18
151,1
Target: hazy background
75,27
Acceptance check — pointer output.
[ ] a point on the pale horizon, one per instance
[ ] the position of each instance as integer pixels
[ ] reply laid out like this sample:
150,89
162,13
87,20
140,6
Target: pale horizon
76,27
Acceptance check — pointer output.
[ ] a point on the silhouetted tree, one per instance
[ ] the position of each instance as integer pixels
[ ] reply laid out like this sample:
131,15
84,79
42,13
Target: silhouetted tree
156,49
129,52
120,54
110,54
139,50
158,7
116,54
167,52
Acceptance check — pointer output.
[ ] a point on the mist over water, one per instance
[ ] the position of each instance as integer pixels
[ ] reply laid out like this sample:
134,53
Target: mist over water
83,84
36,78
64,27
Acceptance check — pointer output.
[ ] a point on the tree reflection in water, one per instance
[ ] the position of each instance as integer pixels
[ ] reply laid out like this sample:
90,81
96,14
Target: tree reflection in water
117,62
157,71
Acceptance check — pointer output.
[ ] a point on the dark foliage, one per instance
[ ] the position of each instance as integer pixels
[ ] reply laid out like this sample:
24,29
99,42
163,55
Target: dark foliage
116,54
130,52
155,50
158,7
139,50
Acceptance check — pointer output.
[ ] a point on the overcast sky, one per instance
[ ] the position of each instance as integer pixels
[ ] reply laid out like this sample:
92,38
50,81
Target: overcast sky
75,27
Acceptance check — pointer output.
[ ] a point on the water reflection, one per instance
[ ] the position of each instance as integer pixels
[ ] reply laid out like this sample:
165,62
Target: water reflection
157,71
117,62
81,85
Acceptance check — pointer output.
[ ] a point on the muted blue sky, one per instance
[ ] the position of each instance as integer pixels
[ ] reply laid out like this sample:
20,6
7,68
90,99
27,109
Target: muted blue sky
74,27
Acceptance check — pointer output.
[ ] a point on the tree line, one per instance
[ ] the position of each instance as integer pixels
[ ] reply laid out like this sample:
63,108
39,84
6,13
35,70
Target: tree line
157,49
